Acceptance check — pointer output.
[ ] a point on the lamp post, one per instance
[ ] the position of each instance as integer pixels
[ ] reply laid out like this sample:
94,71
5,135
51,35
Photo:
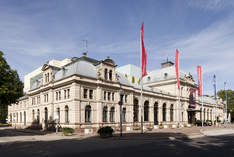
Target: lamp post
121,92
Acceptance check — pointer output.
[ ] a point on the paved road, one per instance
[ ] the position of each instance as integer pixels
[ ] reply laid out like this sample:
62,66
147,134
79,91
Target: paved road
115,147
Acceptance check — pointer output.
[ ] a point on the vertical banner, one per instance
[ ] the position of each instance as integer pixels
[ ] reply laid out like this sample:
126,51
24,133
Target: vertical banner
214,79
177,68
192,98
199,74
143,54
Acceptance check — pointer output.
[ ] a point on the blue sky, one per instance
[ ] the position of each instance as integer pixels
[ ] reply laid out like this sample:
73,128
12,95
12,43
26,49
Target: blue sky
32,32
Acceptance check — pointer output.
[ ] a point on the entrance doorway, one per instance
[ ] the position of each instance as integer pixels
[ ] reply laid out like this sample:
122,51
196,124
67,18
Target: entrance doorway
191,117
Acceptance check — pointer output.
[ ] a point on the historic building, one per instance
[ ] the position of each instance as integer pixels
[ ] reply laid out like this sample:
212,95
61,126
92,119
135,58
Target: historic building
84,93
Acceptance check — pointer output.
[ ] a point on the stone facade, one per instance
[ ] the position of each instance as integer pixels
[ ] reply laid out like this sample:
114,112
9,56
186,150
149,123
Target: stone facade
85,93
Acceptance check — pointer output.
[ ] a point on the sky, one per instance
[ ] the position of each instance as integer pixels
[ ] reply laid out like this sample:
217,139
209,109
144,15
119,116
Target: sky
33,32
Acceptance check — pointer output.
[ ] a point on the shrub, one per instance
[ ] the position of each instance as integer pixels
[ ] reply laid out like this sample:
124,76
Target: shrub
106,131
67,131
136,128
160,126
35,125
150,128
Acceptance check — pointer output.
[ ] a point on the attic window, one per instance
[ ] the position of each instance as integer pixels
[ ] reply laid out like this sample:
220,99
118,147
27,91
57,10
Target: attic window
148,78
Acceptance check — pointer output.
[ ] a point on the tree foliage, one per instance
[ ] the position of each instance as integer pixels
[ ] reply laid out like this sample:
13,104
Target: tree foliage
230,100
11,88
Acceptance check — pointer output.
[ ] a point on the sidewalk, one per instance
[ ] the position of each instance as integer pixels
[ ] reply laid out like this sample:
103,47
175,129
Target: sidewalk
178,133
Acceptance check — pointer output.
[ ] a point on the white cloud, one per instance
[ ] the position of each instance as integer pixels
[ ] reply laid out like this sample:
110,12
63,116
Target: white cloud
211,4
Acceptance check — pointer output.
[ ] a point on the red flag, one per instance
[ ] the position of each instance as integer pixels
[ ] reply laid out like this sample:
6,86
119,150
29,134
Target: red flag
177,68
199,74
143,54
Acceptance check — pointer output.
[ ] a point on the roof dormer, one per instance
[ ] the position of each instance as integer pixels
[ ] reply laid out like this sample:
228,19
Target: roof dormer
48,73
107,70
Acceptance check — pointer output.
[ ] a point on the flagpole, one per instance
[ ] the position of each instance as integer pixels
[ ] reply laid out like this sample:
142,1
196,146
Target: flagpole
141,87
141,106
203,117
180,109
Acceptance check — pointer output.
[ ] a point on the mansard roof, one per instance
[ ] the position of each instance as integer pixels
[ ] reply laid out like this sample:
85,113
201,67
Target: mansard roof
164,74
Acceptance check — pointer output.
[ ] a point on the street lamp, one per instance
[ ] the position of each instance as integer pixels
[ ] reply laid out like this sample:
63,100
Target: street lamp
121,92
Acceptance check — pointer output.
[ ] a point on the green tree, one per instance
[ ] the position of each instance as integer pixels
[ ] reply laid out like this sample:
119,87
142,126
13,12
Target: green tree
11,88
230,100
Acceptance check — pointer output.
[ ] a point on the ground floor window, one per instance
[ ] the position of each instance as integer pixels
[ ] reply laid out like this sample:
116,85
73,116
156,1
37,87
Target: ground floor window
135,111
88,113
171,113
112,114
104,114
124,115
66,114
164,111
146,111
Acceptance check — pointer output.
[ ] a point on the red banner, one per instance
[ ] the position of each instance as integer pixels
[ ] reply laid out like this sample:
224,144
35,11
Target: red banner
177,68
143,54
199,74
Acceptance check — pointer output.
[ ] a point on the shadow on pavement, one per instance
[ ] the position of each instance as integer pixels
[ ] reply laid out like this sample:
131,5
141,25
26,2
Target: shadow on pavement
130,144
9,132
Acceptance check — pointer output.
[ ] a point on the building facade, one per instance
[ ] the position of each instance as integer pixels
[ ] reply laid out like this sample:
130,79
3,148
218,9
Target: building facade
84,94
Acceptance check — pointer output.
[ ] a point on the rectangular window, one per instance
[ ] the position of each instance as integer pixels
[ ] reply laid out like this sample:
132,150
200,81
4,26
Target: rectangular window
59,95
38,100
65,94
45,98
113,96
56,95
104,95
126,98
91,94
85,93
109,95
68,93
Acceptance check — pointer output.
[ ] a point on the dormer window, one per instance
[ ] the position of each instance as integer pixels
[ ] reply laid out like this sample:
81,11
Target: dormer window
110,75
148,78
105,74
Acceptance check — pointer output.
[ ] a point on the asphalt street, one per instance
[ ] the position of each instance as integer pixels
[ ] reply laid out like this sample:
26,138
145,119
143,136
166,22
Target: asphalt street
116,147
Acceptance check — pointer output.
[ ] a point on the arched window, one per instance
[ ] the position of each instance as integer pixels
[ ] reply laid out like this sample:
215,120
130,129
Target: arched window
20,117
105,74
146,111
46,115
88,113
200,113
124,115
24,118
33,115
204,114
38,115
17,117
110,75
171,113
207,114
104,114
156,113
210,114
58,114
112,114
135,110
164,110
66,114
